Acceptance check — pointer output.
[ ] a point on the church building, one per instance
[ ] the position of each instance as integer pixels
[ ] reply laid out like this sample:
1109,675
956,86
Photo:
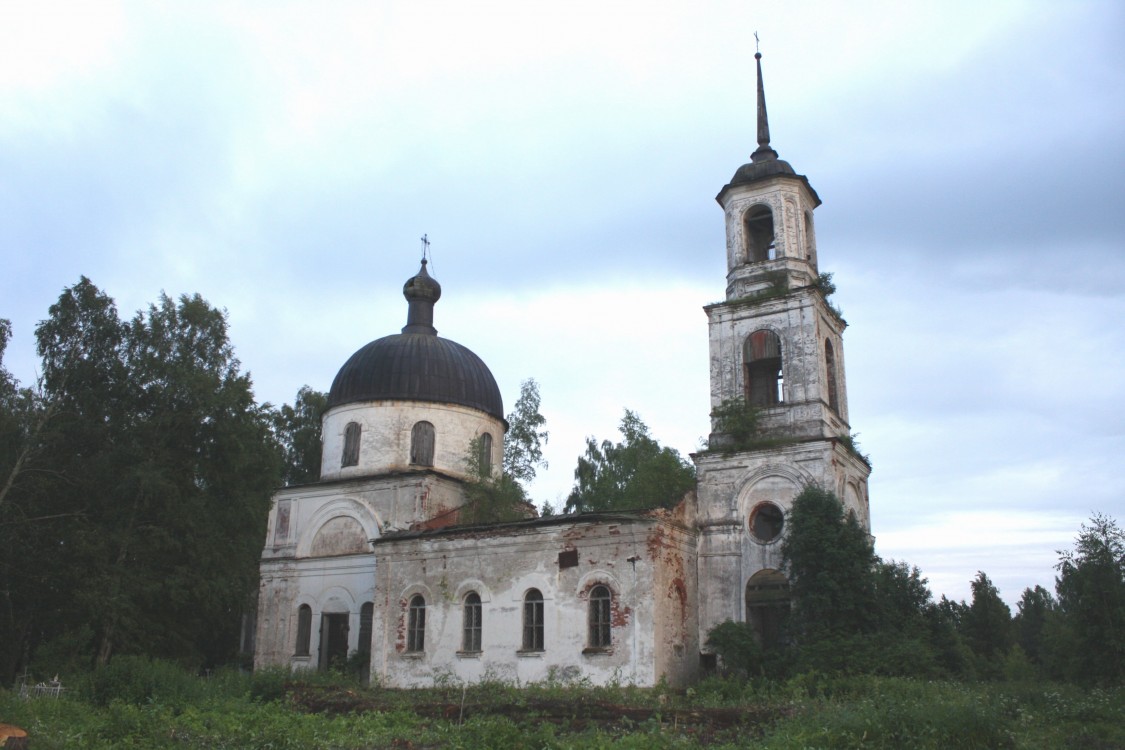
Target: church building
373,563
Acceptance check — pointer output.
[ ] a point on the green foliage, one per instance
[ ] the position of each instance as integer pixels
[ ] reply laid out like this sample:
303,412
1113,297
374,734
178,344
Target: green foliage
851,442
831,567
149,705
297,430
987,627
737,645
635,473
1035,608
161,469
491,497
524,441
825,284
1091,591
738,428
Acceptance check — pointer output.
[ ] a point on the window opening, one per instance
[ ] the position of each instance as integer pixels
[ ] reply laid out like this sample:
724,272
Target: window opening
486,454
350,456
762,368
422,444
366,615
759,235
416,624
767,606
810,245
471,626
766,522
600,607
304,630
533,621
830,366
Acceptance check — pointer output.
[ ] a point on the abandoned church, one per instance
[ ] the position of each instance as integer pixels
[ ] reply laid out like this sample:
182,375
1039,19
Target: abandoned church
372,559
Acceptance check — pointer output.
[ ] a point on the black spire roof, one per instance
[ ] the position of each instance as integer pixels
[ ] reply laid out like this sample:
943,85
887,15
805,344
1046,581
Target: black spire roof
763,162
417,364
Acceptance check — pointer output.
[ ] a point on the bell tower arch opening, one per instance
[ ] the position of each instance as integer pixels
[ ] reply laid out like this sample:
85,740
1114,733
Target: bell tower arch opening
761,358
758,230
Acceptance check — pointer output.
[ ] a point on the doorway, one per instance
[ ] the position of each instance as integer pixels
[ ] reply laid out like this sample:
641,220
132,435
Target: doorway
333,640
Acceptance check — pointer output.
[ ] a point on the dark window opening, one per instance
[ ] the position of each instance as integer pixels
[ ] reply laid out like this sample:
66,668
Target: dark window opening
762,366
810,245
304,630
767,606
416,624
350,456
759,235
471,625
600,607
486,454
766,522
422,444
568,558
533,621
830,366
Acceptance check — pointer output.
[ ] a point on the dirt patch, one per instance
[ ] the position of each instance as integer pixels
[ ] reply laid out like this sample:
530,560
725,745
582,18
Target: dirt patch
705,725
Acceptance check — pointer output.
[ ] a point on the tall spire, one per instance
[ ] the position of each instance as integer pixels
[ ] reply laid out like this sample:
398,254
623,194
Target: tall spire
763,152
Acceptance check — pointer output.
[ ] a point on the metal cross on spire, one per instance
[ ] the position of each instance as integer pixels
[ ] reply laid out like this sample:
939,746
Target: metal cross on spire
425,246
757,43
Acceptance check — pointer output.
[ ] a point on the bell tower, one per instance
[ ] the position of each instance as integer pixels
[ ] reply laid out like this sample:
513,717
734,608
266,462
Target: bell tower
778,391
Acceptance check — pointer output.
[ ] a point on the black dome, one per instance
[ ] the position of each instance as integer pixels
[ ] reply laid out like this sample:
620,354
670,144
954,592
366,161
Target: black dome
417,367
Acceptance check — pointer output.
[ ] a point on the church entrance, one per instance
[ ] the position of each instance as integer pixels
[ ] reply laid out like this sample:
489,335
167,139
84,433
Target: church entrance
767,606
333,640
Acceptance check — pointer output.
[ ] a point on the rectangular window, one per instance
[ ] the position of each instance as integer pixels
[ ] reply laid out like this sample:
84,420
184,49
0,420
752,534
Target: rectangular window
600,618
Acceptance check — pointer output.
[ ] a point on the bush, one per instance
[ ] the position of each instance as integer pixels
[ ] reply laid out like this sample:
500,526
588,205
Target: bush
139,681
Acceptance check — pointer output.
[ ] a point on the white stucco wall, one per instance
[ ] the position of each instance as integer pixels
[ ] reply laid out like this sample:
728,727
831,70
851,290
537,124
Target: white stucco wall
648,565
385,436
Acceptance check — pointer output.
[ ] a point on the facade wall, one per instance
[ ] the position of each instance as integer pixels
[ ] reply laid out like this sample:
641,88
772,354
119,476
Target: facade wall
632,557
386,433
318,552
730,486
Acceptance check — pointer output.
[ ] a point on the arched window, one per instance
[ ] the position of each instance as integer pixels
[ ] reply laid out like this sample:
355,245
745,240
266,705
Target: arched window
758,225
350,456
767,605
422,444
304,630
416,624
830,366
471,622
599,617
486,454
762,368
533,620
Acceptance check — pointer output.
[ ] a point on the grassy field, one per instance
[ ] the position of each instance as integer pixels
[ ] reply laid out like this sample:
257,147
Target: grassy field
140,704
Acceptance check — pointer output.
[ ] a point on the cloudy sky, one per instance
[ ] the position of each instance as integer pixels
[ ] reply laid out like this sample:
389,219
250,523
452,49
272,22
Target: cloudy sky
283,159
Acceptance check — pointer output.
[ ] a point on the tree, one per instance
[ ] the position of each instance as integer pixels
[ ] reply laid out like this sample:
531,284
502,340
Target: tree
636,473
491,497
524,441
297,428
160,466
831,566
1091,591
987,626
1034,609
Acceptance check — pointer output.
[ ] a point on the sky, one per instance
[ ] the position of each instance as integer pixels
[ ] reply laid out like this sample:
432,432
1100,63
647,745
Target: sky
284,159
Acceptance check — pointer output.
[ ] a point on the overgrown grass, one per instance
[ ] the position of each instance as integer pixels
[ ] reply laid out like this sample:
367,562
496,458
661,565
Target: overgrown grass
142,704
